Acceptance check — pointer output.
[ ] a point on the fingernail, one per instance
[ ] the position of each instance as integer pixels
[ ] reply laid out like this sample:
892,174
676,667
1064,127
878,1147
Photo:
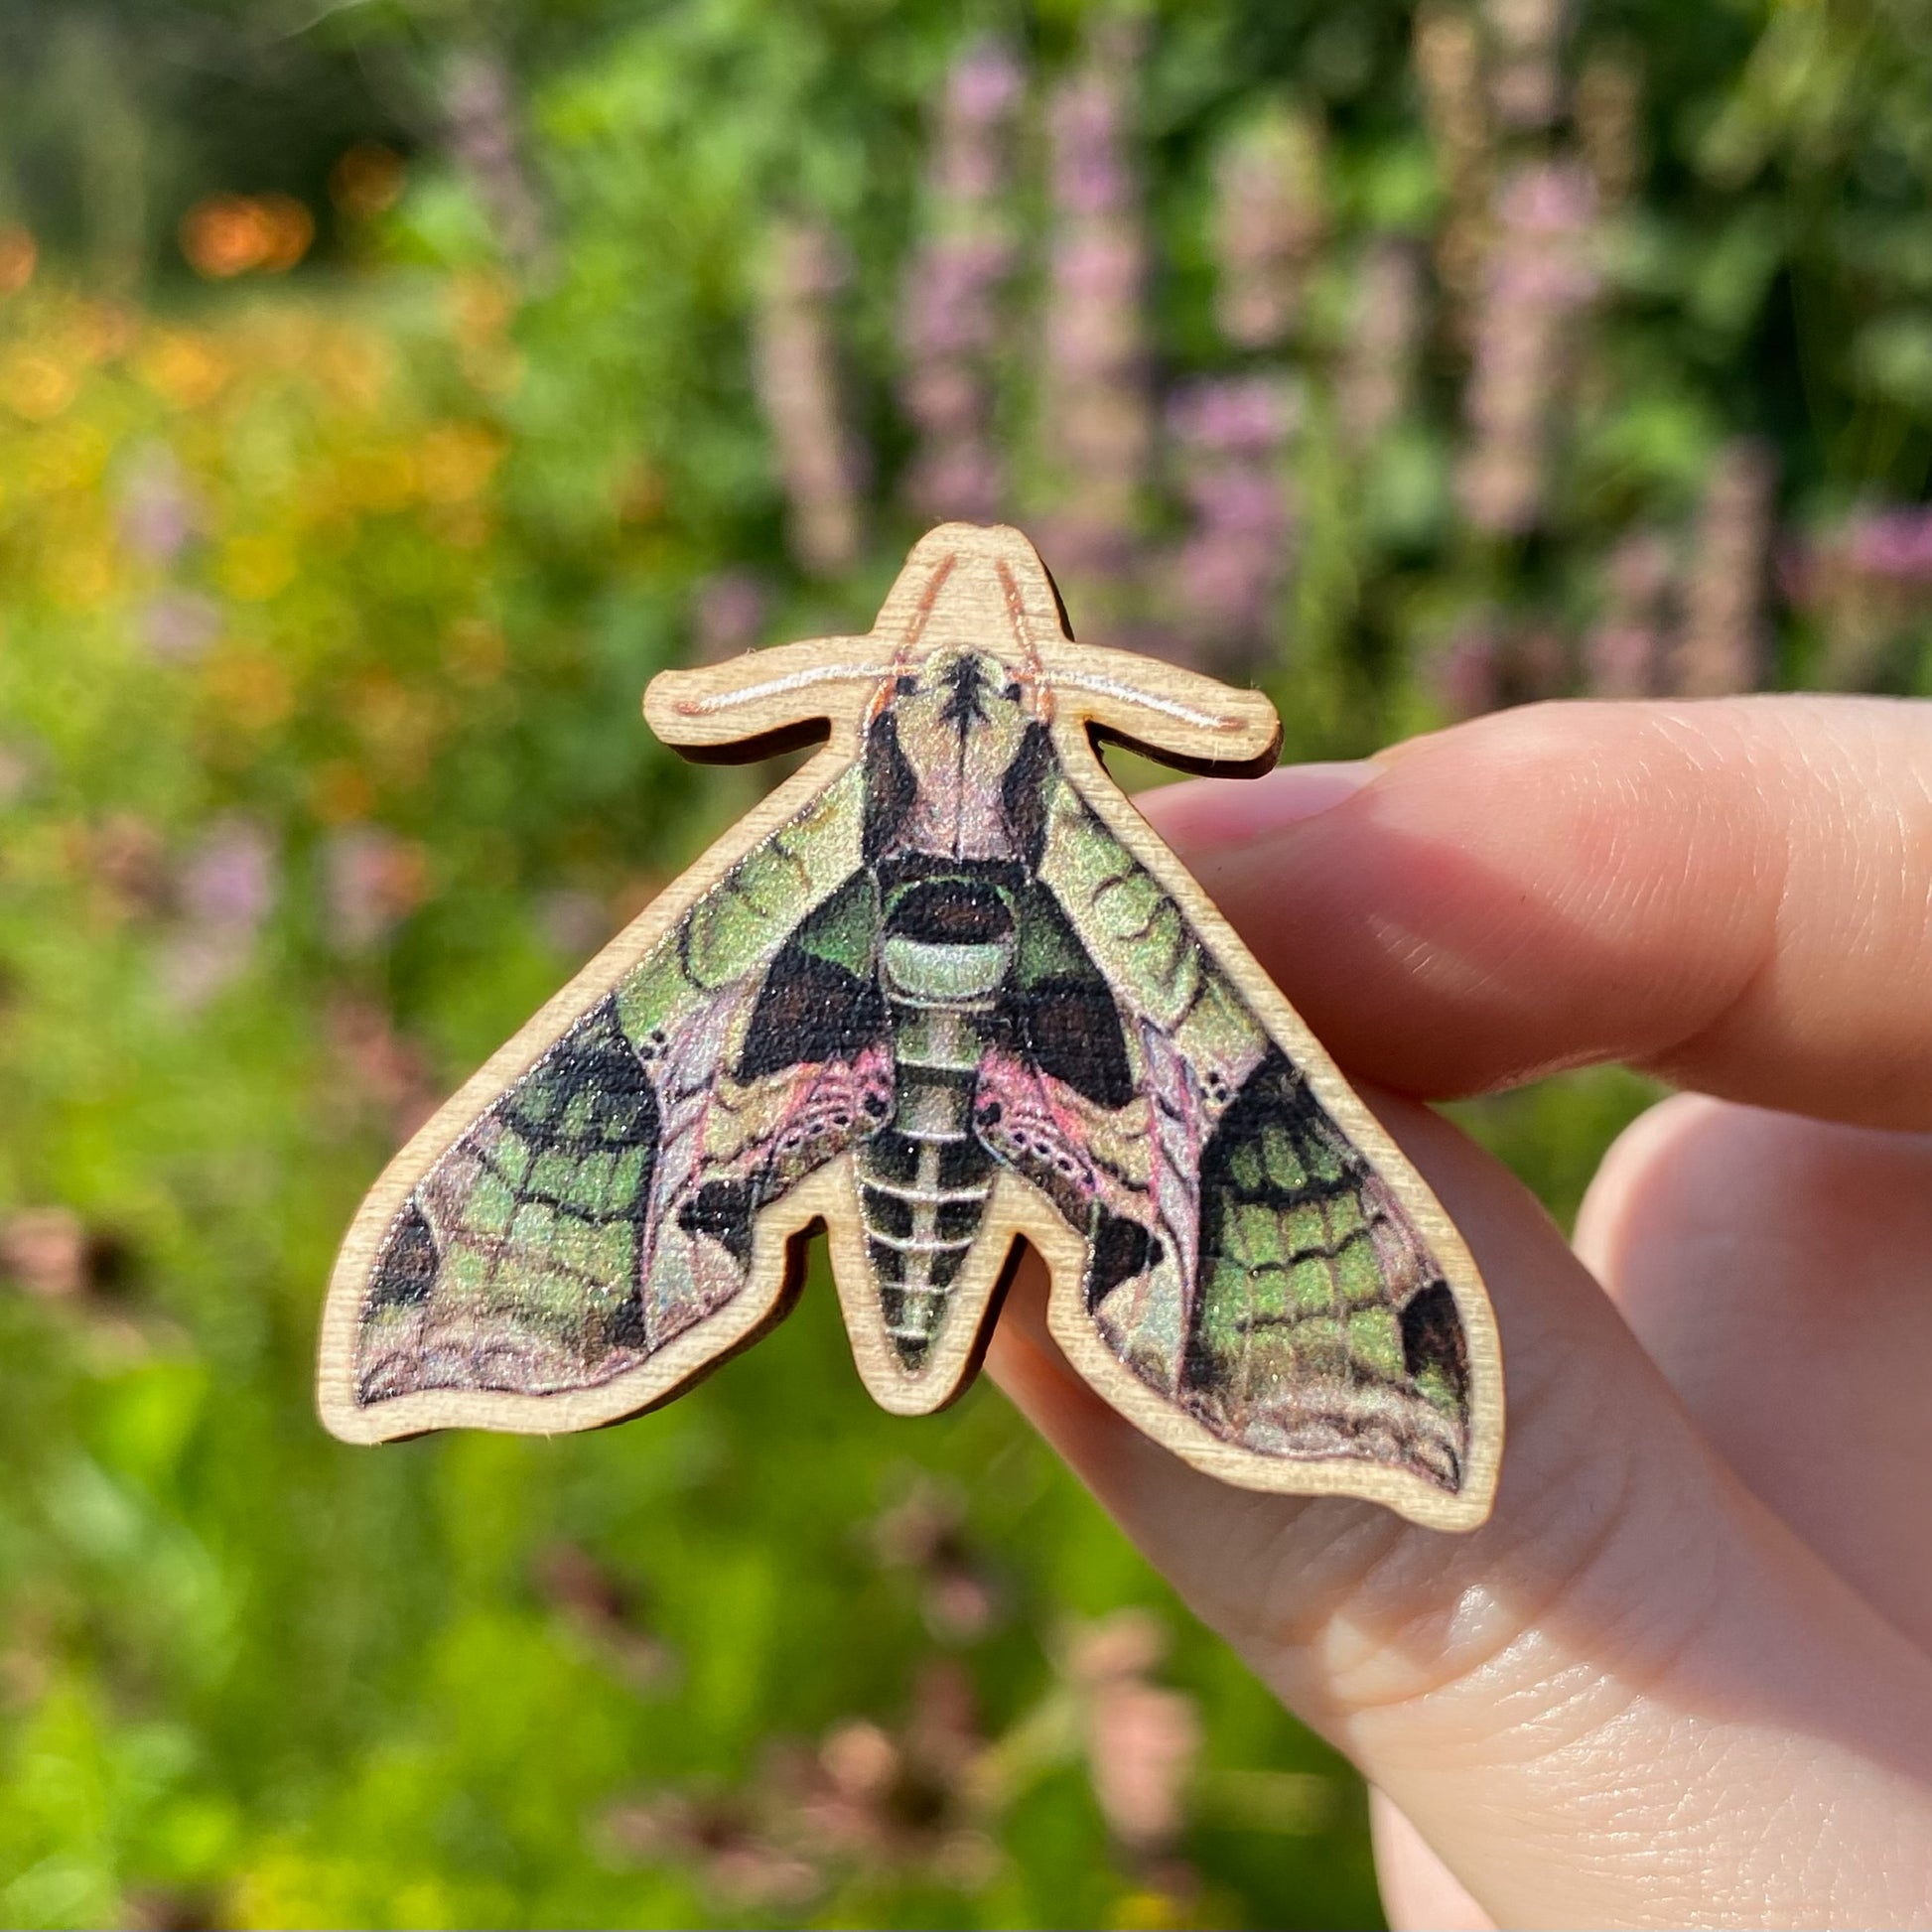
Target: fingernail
1298,792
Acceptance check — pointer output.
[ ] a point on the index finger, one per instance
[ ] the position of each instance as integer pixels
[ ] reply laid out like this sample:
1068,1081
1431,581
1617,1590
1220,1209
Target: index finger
1736,894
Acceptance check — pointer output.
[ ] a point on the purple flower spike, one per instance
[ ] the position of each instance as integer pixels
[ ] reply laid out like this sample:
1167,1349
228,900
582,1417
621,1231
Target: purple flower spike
371,880
798,379
1096,418
1268,223
952,311
226,890
986,85
1867,582
1466,674
481,110
1229,438
729,612
1623,650
1723,646
229,879
1378,372
1539,277
1893,544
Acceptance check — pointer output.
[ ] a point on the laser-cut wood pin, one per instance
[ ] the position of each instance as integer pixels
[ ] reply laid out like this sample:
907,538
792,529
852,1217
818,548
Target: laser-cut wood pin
942,990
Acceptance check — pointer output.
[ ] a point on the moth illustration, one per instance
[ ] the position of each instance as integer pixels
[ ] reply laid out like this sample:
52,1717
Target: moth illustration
942,990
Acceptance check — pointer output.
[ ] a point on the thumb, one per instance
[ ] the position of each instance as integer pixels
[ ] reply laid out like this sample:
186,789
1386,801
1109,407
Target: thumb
1631,1698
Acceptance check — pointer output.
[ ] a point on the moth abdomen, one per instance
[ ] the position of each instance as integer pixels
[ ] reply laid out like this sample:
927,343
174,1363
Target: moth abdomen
923,1183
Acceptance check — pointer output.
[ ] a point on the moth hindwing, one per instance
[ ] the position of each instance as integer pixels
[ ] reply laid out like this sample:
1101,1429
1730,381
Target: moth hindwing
944,989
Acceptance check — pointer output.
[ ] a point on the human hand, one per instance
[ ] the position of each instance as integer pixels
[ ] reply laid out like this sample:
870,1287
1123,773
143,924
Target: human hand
1683,1676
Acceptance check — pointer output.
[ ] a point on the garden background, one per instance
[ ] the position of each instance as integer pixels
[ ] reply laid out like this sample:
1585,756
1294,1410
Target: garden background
388,389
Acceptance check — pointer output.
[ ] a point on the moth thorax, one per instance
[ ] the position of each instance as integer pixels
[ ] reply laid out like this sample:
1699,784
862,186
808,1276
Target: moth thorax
921,972
947,942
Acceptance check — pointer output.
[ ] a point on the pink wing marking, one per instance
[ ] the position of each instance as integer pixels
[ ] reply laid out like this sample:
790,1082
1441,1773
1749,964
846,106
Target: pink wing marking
1034,1123
686,1075
827,1108
1174,1108
822,1106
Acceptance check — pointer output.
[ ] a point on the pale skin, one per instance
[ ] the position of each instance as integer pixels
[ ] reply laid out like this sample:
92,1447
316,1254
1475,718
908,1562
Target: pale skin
1683,1677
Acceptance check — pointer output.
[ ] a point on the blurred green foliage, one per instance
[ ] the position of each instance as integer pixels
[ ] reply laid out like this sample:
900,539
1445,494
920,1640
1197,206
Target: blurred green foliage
324,607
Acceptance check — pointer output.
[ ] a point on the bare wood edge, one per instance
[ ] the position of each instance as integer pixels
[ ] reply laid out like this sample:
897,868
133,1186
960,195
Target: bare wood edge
1252,733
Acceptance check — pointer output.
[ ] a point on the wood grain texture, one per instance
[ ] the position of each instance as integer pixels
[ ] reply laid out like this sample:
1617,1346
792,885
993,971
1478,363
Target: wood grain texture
943,990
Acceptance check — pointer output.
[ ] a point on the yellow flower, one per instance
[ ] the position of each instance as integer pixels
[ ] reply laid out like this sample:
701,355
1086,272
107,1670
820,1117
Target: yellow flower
19,253
36,386
1150,1911
101,330
457,460
397,724
340,793
71,457
287,1885
380,478
291,230
356,367
227,234
366,180
253,569
640,494
250,687
492,372
480,306
474,651
182,369
81,578
463,526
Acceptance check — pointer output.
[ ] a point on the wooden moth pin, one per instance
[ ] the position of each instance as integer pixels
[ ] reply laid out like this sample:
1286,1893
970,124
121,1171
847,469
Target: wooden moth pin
944,988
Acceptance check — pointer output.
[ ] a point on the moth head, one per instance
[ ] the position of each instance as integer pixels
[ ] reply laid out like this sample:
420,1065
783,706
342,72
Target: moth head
946,733
973,612
959,695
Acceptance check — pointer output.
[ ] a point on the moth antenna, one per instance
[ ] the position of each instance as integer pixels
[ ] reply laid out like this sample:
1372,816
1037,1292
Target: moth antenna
908,644
710,701
1022,634
1186,713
